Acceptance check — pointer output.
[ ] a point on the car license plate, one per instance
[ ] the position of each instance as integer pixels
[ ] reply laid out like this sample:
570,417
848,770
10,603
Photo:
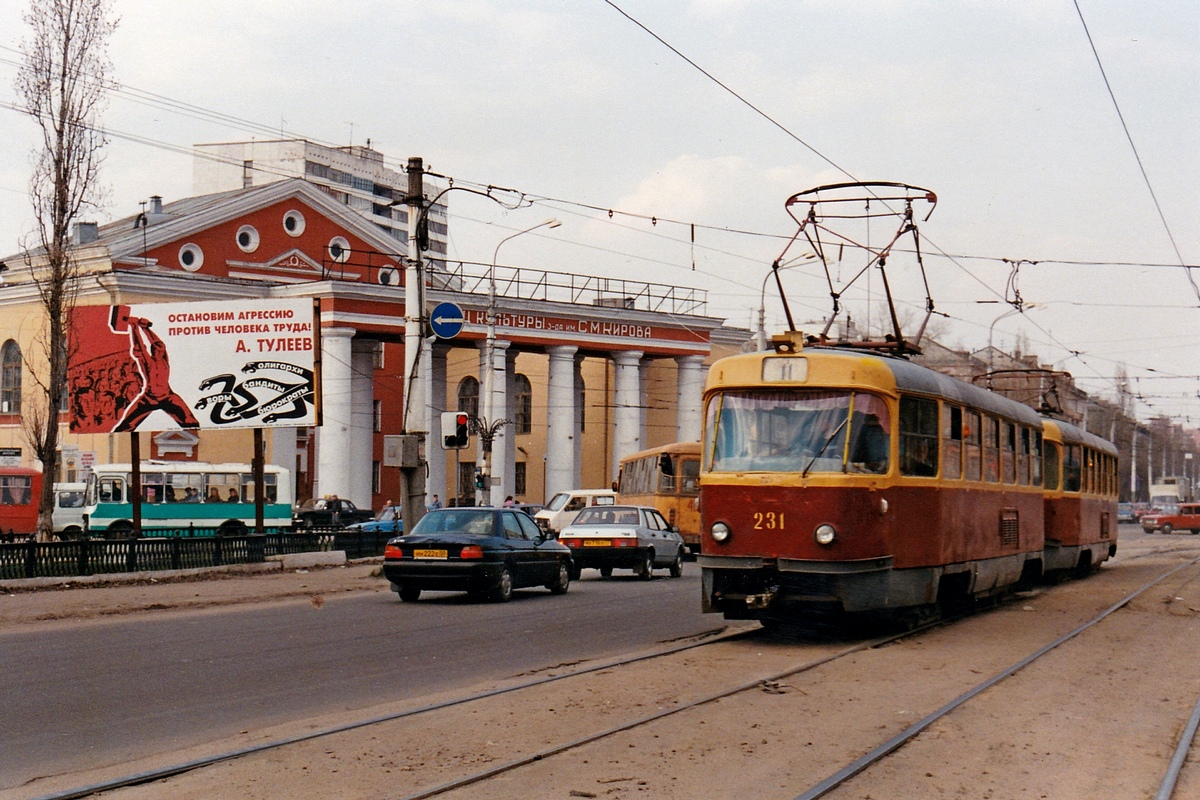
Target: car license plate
429,554
597,543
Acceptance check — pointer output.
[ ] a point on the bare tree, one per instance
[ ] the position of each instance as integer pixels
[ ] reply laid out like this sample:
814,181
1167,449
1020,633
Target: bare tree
63,81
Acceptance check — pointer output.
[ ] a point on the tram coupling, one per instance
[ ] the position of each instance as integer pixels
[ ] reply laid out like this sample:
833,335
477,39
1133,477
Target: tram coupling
757,601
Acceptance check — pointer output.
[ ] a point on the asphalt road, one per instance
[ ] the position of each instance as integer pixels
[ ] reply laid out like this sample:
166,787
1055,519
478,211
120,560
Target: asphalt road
94,694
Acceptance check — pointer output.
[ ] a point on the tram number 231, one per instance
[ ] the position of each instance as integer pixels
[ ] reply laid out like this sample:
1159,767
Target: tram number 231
768,521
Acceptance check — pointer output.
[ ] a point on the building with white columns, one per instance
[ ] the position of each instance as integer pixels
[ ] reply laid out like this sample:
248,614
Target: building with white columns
581,377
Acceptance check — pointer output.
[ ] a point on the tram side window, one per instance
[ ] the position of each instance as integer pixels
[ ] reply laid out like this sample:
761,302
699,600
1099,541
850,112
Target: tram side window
1052,457
952,442
1035,458
1008,452
918,437
991,449
1072,468
971,445
1022,455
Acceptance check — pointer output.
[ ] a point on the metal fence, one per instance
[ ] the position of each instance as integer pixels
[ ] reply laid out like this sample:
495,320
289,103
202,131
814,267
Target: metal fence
188,549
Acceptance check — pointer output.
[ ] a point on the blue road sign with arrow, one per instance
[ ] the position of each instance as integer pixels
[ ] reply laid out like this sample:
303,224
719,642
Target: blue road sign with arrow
446,320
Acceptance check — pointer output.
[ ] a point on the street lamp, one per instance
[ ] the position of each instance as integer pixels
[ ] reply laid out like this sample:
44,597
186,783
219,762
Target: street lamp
489,426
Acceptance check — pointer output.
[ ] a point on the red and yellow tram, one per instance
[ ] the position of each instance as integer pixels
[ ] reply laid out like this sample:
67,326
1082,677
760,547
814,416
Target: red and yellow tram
1080,498
849,481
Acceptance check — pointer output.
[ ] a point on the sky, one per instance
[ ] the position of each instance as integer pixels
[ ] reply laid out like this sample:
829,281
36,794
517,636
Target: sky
1073,158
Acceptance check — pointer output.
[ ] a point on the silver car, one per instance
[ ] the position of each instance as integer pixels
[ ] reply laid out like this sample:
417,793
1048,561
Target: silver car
629,537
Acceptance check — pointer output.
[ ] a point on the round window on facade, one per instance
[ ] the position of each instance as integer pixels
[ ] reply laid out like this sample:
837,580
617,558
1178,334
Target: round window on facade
293,223
191,257
247,238
339,249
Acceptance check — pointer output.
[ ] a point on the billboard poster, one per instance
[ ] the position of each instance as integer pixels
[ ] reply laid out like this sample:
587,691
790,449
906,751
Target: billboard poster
206,365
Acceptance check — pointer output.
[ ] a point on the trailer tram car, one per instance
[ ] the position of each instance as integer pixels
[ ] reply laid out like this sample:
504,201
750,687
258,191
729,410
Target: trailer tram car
1081,488
848,481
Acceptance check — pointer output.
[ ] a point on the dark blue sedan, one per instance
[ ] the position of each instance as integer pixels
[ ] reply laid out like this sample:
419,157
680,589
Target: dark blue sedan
484,551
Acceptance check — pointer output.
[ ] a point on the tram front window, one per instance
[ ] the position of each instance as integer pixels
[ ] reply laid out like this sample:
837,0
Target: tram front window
803,431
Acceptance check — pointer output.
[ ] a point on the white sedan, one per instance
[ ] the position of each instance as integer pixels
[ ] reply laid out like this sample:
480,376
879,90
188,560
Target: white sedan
630,537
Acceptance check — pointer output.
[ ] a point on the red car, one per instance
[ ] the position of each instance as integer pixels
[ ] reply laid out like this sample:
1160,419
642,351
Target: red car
1185,517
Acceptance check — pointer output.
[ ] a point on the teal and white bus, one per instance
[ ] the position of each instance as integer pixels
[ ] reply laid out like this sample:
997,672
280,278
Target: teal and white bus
186,496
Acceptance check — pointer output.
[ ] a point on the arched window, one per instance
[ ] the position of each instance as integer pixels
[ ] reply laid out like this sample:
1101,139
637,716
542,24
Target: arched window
10,378
468,396
523,404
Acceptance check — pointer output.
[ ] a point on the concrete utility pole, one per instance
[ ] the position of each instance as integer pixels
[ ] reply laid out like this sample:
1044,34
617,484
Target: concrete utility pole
412,467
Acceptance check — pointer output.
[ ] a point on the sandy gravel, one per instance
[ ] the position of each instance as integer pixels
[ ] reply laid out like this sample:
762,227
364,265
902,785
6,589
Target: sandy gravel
1097,718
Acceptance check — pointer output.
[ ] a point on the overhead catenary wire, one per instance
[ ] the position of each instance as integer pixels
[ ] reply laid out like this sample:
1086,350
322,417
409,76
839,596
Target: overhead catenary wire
186,109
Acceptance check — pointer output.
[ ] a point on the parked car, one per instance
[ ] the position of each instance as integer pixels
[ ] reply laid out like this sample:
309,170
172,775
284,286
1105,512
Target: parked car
389,520
1126,513
633,537
319,513
483,551
1183,517
562,508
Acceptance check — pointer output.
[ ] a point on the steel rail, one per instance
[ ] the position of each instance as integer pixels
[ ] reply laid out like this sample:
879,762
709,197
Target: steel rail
1167,789
902,738
698,640
479,777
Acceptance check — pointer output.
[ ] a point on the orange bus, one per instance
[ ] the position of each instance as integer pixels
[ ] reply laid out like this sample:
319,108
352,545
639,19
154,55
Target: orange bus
20,491
667,478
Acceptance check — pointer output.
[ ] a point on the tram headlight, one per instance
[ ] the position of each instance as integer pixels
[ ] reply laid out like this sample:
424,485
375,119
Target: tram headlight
720,532
825,534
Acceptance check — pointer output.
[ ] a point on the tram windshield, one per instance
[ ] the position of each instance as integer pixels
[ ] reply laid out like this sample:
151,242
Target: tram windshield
805,431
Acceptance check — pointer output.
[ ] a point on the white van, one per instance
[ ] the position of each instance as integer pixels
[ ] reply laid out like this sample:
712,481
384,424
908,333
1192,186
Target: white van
562,508
68,509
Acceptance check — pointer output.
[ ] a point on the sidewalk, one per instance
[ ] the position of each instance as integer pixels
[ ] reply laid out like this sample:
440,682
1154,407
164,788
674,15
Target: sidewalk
54,600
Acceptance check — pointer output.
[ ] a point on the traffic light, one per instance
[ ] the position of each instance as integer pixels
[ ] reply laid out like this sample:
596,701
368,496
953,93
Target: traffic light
455,430
480,479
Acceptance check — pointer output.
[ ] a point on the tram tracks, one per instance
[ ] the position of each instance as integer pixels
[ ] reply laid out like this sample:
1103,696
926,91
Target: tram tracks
587,721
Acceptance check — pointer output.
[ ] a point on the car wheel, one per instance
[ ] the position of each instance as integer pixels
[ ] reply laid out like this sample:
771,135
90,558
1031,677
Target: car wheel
502,593
564,579
646,570
232,527
121,530
71,533
1168,528
677,565
606,572
409,594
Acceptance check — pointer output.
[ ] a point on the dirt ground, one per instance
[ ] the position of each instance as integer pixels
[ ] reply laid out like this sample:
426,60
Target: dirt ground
1099,717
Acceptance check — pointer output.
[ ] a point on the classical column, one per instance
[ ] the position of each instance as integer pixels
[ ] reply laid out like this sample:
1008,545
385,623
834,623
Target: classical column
627,406
362,421
333,437
689,411
562,431
493,407
504,445
435,456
